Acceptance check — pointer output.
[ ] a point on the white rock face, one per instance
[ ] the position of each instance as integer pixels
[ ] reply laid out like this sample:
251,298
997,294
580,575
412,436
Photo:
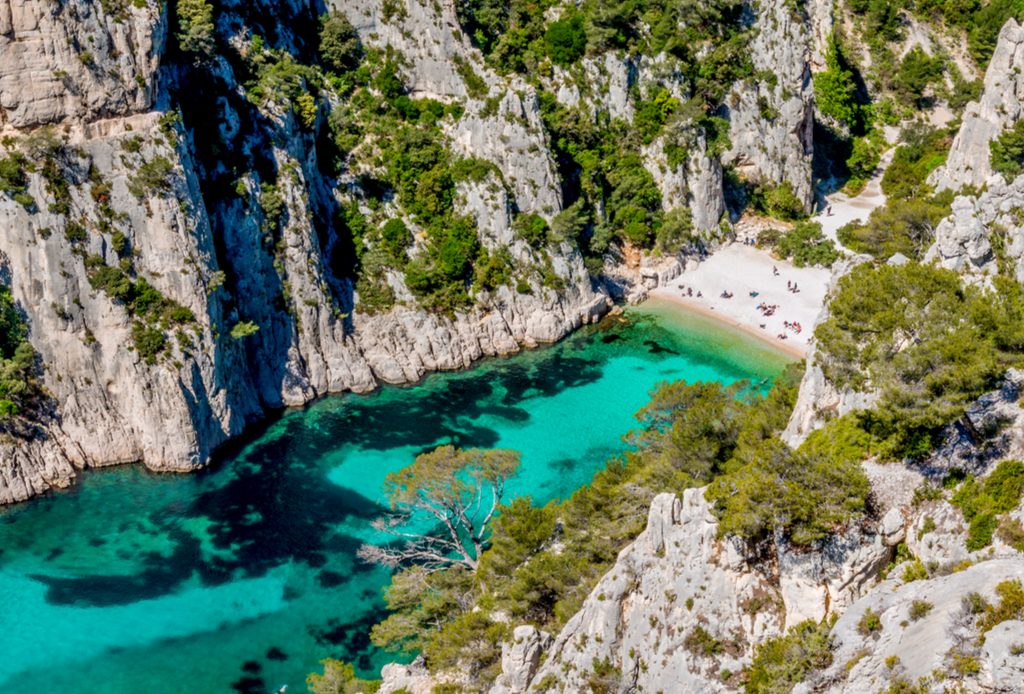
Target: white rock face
825,581
775,150
520,659
911,648
963,241
675,577
999,108
71,61
112,407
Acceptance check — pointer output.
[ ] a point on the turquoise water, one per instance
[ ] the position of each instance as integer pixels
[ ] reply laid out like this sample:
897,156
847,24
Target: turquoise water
242,577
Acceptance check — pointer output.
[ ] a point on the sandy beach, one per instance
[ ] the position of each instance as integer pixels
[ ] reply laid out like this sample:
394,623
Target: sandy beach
741,270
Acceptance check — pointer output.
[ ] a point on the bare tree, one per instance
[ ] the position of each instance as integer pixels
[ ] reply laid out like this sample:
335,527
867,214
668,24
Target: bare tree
460,490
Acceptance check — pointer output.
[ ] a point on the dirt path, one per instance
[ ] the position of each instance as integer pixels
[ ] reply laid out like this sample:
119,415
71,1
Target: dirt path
846,209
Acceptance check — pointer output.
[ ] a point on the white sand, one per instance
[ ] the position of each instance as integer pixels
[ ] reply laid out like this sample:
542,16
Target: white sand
846,209
741,269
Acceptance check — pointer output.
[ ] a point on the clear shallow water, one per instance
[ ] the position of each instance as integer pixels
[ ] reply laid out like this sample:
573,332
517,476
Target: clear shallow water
242,577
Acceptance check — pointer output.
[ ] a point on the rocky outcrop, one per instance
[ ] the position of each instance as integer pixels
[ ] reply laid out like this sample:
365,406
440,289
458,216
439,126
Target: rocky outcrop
964,240
520,660
649,622
771,119
999,108
991,430
77,60
829,579
925,626
114,407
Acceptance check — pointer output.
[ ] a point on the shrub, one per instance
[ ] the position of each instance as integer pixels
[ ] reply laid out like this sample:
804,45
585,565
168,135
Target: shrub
904,226
566,40
925,343
154,177
340,49
916,73
983,502
919,609
1007,152
196,27
533,229
782,662
869,623
396,239
835,91
700,642
780,201
1010,605
339,678
14,179
243,329
807,245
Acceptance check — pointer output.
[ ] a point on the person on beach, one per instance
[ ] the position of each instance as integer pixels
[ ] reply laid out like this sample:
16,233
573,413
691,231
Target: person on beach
775,271
828,211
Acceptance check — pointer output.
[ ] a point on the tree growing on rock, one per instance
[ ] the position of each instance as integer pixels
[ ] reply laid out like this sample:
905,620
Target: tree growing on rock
458,492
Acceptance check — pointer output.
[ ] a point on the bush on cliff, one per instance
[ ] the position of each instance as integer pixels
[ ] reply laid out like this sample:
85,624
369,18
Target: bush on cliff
924,342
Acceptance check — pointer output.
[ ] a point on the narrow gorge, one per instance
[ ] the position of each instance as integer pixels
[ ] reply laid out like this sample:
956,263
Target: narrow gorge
720,303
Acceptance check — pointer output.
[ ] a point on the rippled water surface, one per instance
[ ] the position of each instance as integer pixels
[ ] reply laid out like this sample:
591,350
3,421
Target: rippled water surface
242,577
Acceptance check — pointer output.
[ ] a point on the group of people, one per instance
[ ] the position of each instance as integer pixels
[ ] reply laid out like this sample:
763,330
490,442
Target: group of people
767,310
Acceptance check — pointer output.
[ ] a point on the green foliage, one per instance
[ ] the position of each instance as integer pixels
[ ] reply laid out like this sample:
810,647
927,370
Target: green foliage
1007,152
566,40
542,562
154,177
701,642
923,150
904,226
806,245
1010,606
153,313
273,205
919,609
801,495
782,662
440,276
780,201
339,678
340,49
19,389
924,342
862,162
395,239
983,502
653,112
869,623
196,28
917,72
835,91
533,229
14,179
243,329
985,25
676,231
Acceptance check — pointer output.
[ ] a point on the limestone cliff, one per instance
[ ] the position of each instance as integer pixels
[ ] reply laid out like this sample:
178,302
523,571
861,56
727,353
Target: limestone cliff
999,108
175,175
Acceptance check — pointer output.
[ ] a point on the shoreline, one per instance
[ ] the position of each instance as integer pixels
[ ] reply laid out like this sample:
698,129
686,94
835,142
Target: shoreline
792,350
